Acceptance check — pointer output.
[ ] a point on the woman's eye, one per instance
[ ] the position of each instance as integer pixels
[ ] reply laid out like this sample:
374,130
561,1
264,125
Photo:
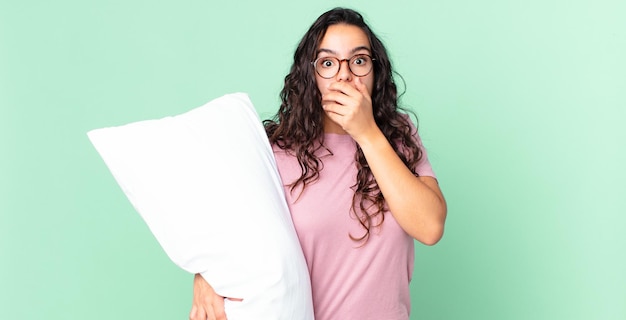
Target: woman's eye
360,60
327,63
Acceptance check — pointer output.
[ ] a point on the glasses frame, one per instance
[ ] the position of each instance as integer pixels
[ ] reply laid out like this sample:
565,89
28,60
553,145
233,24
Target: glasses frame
314,64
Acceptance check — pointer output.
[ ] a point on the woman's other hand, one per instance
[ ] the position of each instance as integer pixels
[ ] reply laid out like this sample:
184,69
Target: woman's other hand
206,304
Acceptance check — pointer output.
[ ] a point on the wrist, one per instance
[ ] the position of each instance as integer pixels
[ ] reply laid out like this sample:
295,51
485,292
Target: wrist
371,139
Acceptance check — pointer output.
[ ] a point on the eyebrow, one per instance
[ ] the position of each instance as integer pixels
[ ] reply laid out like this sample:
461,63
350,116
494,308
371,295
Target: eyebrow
353,51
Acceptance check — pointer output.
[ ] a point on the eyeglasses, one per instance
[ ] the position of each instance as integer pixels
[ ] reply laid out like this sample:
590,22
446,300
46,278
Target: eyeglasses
327,67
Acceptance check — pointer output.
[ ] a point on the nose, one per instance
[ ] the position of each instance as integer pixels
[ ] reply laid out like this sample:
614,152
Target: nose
344,74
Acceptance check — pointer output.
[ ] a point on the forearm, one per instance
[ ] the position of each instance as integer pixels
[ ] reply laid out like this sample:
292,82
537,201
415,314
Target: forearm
416,203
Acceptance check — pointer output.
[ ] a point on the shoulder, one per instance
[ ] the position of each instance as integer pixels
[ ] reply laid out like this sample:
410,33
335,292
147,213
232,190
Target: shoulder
283,155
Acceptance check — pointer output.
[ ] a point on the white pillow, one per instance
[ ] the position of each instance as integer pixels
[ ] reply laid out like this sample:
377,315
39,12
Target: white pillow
206,184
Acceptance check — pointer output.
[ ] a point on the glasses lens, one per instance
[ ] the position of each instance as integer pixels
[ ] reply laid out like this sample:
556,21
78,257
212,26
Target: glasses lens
327,67
361,65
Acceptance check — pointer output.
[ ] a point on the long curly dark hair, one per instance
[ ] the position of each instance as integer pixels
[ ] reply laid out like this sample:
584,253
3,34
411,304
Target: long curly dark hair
297,127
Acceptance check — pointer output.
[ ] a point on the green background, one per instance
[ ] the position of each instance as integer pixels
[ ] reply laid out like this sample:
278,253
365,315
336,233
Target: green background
520,103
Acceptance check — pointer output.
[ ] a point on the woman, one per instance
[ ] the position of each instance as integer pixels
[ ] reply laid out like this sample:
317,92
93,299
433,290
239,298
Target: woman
357,179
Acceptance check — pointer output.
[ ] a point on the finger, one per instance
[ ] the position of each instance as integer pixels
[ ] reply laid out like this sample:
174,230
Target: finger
361,87
334,108
334,100
335,117
343,87
218,309
197,314
341,97
334,97
193,314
